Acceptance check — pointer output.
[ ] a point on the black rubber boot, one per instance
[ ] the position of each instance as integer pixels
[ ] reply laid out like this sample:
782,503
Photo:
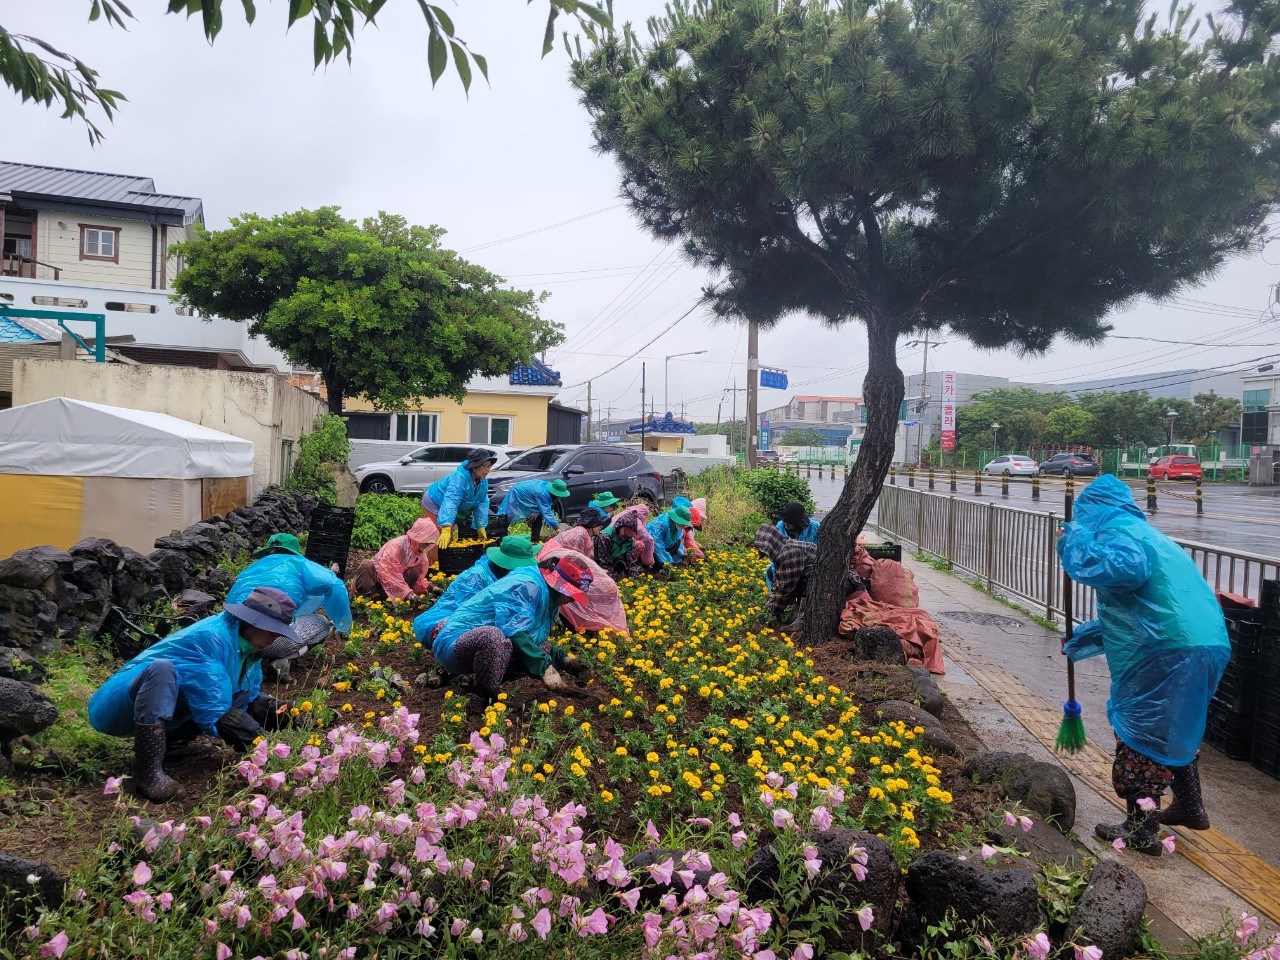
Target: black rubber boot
148,748
1140,831
1187,808
181,744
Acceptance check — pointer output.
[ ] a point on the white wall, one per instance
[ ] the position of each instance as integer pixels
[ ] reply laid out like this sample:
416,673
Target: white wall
260,407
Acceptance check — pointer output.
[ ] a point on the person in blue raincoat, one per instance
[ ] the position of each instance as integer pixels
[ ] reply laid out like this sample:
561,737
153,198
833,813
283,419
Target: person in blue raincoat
509,624
209,673
462,497
280,564
496,562
667,531
1165,640
532,499
795,524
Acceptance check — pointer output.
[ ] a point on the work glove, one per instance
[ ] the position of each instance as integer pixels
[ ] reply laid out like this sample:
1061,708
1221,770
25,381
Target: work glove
446,537
552,679
238,729
482,533
269,714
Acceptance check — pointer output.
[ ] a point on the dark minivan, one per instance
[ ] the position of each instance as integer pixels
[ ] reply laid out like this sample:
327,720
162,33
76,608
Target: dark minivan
588,469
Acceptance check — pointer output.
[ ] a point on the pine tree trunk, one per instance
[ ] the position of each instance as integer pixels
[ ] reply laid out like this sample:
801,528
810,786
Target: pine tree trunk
882,392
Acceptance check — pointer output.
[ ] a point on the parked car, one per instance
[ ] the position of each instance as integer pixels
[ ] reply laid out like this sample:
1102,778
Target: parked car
588,469
418,470
1011,465
767,458
1175,468
1070,465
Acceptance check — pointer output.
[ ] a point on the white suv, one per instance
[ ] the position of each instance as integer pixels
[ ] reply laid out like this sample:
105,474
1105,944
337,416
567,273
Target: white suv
418,470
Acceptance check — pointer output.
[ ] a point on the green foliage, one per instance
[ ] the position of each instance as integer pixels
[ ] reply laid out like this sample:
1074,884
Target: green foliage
381,517
773,490
327,443
234,564
739,501
378,308
735,430
801,438
37,71
71,746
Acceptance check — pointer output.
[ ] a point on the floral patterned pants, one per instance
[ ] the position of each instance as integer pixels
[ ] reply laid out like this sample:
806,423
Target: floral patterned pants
1135,776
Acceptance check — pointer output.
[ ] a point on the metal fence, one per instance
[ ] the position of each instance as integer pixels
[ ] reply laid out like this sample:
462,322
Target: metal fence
1011,551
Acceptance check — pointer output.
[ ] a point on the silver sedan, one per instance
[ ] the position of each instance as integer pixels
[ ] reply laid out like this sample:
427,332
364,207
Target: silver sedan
1012,465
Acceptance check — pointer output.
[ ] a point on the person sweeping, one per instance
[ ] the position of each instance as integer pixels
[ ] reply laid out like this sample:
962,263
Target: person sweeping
1165,640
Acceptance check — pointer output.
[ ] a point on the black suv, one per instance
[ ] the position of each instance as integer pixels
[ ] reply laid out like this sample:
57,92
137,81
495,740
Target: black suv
588,469
1070,465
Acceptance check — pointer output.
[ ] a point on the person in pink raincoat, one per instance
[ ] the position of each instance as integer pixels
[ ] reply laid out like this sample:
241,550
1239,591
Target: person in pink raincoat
698,509
626,546
603,608
400,570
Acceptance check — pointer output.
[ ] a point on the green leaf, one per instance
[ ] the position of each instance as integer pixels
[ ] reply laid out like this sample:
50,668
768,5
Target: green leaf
250,11
211,13
437,55
445,23
599,16
299,9
463,67
549,39
95,11
320,46
483,64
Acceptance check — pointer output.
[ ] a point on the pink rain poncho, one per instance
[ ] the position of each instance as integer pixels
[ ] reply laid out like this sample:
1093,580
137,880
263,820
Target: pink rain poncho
576,539
603,609
403,564
699,511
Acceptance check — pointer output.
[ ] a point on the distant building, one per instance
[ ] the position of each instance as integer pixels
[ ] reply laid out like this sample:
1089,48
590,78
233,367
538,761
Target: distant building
835,419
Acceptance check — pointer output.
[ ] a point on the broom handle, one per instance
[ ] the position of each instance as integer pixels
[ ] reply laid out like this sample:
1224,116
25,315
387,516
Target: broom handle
1067,601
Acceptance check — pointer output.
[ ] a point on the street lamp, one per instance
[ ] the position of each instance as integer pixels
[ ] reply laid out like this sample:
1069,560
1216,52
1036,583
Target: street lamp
995,437
1171,417
665,362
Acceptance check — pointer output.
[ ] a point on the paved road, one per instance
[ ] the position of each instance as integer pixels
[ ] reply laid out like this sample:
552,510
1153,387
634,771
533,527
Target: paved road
1237,517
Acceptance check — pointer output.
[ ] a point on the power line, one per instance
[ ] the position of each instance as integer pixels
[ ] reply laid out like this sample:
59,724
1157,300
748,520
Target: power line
1193,343
530,233
700,301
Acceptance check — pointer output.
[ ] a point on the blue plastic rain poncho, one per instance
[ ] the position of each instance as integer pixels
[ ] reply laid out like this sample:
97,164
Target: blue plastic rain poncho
211,667
668,539
459,496
519,605
465,585
808,535
1158,623
527,498
307,584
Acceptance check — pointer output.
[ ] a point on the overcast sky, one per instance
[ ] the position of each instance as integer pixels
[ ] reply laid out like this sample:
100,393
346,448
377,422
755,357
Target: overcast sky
247,126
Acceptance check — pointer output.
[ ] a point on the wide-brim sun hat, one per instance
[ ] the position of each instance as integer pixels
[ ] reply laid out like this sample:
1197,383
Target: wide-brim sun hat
558,488
606,499
279,541
794,514
479,457
513,553
270,609
569,578
681,516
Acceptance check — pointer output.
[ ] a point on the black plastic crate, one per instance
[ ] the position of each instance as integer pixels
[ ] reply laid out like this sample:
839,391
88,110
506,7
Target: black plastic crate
326,557
457,559
884,551
1265,750
1271,595
335,520
1231,734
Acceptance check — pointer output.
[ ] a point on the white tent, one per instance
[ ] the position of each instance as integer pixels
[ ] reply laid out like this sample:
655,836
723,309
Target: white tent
71,469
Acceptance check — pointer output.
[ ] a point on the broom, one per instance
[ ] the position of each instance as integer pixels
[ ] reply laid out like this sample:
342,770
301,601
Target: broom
1071,738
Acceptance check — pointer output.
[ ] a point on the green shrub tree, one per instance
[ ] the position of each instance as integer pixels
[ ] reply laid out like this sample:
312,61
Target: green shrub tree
1007,169
801,438
378,308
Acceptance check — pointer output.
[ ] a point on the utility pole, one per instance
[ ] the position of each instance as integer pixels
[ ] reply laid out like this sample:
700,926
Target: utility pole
733,417
753,391
643,388
924,376
588,411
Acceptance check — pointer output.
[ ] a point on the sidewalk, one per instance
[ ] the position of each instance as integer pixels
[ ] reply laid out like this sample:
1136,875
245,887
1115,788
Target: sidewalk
1005,674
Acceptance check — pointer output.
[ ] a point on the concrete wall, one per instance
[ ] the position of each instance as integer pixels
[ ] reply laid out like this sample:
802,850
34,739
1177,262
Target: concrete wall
260,407
60,247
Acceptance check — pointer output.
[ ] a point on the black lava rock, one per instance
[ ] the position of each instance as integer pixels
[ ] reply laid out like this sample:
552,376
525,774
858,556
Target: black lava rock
1005,901
1110,909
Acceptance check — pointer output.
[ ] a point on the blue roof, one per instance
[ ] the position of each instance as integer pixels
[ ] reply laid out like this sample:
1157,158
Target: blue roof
536,374
667,424
13,332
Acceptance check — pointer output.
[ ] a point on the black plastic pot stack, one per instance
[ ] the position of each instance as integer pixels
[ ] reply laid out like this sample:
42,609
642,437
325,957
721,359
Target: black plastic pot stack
329,537
1230,726
1265,753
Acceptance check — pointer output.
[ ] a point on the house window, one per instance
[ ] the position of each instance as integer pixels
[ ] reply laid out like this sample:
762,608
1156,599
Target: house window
484,429
99,243
419,427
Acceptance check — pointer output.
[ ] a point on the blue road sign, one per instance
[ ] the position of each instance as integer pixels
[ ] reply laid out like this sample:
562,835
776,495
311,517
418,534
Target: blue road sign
773,379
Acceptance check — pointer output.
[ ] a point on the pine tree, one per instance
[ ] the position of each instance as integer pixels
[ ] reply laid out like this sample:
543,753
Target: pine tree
1007,169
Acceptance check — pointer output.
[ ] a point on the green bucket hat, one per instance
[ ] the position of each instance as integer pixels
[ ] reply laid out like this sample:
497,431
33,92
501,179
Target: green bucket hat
681,516
512,553
279,541
558,488
606,499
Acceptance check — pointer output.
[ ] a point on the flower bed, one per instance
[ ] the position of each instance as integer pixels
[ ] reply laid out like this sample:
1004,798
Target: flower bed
624,817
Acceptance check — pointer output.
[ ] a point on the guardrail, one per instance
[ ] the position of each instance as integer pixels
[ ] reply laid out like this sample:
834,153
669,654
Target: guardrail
1011,551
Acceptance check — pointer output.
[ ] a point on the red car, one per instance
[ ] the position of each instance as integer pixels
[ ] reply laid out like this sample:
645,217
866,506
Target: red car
1175,468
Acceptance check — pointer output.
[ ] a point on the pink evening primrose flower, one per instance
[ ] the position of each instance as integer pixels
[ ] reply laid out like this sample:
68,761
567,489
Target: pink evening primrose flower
820,819
988,851
111,789
223,952
141,873
542,923
1168,843
1037,947
802,952
1247,927
1118,843
55,946
866,917
1146,803
1088,953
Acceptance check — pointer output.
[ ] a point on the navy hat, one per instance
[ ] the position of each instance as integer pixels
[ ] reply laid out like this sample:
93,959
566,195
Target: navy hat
270,609
479,457
592,517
